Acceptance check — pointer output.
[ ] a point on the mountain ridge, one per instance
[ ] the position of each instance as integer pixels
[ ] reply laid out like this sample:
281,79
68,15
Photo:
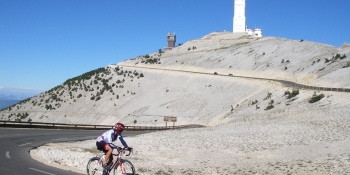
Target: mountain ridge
117,93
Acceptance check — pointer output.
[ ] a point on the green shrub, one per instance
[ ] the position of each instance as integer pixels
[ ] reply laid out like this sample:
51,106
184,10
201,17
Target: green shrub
268,96
342,57
254,102
316,98
339,56
270,106
49,107
291,94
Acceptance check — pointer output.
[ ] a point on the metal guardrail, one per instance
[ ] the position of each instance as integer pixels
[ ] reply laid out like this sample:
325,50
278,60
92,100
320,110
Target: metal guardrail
17,124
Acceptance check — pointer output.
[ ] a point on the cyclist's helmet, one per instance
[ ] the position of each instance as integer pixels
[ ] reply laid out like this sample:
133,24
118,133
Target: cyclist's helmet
119,127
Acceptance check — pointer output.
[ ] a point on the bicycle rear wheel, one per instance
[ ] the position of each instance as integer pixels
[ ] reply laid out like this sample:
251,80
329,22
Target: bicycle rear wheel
127,166
94,167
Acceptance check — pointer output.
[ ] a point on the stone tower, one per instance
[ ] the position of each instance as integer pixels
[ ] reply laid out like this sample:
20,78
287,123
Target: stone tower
239,23
171,37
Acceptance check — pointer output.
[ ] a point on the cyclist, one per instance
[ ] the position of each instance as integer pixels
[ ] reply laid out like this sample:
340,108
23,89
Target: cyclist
104,142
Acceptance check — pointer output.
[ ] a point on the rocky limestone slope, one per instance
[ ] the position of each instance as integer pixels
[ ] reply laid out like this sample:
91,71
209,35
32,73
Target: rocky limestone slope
140,95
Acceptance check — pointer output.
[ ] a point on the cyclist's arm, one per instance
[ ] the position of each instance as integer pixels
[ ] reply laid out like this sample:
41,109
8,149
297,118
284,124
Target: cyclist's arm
123,141
113,146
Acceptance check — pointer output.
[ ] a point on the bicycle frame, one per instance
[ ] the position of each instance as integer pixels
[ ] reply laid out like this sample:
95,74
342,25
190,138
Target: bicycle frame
119,160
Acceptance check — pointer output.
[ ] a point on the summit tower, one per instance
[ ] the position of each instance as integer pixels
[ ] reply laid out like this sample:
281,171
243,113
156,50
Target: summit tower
239,23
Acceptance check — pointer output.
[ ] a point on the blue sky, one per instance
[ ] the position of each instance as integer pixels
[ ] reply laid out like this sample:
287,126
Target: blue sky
45,42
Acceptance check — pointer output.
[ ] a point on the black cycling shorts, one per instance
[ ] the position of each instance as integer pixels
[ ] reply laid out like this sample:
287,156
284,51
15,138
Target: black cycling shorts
101,146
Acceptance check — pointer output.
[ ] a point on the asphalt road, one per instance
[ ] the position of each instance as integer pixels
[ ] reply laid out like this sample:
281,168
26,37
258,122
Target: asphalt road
285,82
15,145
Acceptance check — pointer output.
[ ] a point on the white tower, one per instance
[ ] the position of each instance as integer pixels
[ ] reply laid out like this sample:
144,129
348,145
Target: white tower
239,24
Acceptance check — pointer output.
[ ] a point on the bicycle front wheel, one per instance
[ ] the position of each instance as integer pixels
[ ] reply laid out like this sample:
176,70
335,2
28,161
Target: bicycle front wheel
94,167
127,168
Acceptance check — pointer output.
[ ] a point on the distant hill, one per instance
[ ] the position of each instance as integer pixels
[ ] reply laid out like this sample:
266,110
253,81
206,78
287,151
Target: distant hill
7,103
141,90
10,96
16,93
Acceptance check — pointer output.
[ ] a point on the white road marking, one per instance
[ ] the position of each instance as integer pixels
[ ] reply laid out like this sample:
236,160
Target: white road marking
41,171
60,139
8,154
25,144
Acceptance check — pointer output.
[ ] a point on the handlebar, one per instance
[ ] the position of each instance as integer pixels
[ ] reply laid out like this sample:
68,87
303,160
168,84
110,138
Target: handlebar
125,149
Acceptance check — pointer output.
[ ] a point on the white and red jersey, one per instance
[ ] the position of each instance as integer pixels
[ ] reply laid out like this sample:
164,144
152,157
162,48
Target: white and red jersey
109,137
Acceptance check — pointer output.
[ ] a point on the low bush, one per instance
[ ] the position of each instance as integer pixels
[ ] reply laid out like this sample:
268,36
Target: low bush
254,102
268,96
339,56
291,94
270,106
316,98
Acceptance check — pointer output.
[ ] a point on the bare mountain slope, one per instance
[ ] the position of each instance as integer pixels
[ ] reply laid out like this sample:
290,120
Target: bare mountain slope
134,93
268,57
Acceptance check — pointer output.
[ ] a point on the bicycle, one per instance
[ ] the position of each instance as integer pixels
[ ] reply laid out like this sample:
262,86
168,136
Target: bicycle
119,167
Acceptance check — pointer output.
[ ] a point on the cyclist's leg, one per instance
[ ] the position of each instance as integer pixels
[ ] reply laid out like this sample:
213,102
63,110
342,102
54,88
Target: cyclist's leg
108,153
103,146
